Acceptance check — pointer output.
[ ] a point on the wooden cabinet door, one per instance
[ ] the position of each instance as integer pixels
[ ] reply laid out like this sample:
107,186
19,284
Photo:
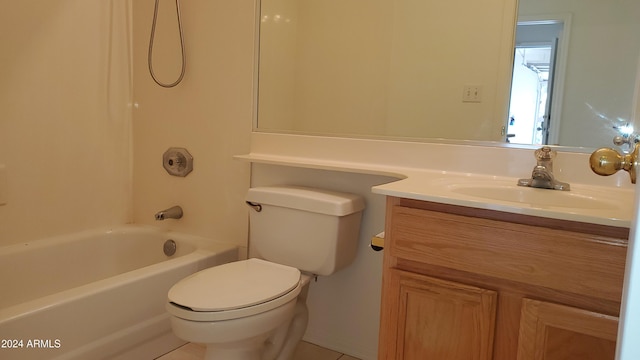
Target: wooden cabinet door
433,319
557,332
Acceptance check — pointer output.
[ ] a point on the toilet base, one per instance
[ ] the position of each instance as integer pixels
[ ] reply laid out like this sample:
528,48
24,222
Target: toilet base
247,339
284,342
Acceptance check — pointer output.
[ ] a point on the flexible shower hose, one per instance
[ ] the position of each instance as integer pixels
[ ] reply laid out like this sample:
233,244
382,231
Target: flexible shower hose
153,32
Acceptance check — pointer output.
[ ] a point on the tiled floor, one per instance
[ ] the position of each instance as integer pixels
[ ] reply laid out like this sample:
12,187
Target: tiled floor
305,351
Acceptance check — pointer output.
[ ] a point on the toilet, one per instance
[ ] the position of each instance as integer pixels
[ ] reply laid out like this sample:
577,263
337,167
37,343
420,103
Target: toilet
255,309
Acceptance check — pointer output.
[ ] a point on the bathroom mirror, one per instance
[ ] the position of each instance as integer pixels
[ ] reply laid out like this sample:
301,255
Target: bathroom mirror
442,70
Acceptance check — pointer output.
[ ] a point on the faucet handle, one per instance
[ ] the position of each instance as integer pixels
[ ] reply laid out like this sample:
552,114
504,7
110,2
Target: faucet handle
544,153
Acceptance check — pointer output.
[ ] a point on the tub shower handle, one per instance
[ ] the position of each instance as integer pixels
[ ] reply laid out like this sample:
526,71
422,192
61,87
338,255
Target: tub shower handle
174,212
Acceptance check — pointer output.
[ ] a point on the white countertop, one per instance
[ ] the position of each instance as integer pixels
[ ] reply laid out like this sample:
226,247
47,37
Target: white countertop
598,205
598,201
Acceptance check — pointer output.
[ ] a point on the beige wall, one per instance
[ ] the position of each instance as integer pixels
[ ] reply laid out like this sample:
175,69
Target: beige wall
64,117
209,113
278,26
386,67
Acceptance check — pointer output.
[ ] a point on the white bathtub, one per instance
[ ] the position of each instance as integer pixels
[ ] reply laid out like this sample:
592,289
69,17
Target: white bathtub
97,294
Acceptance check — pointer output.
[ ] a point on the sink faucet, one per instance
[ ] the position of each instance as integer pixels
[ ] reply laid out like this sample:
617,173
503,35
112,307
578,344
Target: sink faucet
542,174
174,212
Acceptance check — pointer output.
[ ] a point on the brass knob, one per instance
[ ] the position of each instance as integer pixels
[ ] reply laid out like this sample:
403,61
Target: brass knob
607,161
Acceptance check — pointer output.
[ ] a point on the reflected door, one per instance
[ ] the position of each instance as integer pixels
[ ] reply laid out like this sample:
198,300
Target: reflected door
533,91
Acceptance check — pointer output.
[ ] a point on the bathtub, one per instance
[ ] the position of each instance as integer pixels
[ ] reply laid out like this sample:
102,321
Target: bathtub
96,294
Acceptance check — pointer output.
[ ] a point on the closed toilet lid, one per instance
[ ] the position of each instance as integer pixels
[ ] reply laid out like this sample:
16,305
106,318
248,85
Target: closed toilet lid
234,285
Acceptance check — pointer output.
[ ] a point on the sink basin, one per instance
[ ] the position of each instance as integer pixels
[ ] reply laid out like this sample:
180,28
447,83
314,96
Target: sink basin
541,198
585,202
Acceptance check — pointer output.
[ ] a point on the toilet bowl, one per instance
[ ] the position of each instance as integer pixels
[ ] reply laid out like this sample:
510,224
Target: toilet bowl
240,310
255,309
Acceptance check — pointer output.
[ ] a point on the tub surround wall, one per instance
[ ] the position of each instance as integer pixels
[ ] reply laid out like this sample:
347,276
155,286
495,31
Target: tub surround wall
66,129
65,120
209,113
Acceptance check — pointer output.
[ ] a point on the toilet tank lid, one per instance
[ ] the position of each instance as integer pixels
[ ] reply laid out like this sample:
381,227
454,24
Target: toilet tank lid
308,199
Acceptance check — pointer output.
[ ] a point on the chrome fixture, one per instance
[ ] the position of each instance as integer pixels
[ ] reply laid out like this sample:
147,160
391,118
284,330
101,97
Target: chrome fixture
622,140
177,161
174,212
542,175
169,247
607,161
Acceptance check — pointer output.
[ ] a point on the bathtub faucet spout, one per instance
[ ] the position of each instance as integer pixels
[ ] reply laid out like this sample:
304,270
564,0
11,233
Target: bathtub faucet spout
170,213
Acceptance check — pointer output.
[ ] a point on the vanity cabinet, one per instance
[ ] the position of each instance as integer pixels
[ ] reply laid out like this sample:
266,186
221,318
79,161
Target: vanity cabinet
465,283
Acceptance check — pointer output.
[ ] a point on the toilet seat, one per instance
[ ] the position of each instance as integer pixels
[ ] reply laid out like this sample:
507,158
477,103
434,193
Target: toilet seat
234,290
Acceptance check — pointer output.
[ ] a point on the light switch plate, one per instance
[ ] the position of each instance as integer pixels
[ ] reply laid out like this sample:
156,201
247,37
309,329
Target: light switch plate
472,93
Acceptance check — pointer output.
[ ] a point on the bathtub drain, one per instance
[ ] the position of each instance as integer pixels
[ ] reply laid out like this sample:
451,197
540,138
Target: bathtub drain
169,247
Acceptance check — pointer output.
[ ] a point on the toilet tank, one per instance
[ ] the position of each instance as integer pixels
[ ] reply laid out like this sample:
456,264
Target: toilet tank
311,229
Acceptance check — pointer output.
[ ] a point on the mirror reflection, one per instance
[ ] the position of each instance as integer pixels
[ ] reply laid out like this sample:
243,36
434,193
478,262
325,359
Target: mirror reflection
450,70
